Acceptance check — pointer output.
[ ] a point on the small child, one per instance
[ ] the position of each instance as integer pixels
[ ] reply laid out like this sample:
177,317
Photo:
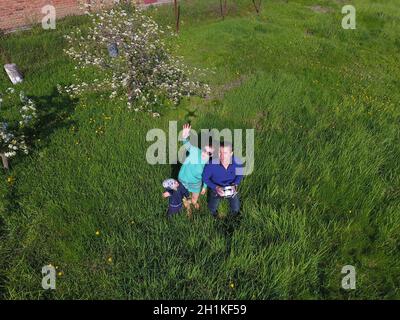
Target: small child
177,195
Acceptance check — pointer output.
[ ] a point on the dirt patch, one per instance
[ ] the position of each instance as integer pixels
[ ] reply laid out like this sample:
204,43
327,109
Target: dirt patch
308,33
321,9
258,122
215,9
219,92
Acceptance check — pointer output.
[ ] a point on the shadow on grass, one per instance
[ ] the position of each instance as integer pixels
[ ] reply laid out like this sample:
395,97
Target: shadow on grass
190,115
55,110
227,227
175,168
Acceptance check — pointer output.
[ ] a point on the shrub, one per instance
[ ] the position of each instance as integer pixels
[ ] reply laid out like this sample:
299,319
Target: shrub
13,129
127,52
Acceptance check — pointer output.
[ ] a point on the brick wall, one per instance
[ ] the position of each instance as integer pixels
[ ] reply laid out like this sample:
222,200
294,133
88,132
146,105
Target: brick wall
18,13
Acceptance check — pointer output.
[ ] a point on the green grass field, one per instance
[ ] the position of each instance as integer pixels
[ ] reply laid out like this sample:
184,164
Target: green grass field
325,191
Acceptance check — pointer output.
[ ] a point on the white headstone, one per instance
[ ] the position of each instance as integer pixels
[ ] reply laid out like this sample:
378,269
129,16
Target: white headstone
13,73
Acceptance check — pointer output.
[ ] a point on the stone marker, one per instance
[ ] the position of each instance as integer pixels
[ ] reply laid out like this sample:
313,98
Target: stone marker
113,50
5,161
13,73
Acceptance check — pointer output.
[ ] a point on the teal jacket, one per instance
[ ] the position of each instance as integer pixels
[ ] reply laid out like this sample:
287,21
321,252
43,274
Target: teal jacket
190,174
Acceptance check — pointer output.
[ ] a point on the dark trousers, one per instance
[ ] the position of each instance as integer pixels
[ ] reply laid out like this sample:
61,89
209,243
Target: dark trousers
214,199
173,210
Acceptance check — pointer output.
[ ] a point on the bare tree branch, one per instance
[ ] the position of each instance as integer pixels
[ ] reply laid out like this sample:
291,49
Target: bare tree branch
257,5
223,7
177,10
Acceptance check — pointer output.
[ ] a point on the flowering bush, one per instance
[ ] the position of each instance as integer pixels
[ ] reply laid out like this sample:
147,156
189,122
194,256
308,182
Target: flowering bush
128,49
12,132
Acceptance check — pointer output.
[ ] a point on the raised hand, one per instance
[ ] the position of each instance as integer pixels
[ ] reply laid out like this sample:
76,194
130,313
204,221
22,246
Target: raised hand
186,130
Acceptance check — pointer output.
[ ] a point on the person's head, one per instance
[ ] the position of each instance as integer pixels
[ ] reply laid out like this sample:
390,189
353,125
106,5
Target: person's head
207,151
171,184
225,152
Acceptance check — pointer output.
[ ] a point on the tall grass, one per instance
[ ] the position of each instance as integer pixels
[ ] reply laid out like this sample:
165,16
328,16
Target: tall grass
324,193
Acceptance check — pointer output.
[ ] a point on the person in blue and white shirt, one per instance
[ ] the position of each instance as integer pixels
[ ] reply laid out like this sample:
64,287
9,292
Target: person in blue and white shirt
223,176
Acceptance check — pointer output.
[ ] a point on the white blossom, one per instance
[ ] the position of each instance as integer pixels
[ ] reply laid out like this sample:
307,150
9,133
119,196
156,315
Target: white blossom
143,72
12,138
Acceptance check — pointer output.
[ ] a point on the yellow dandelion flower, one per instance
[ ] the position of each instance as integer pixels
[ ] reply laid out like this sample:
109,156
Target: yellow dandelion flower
109,259
232,285
97,233
10,179
60,273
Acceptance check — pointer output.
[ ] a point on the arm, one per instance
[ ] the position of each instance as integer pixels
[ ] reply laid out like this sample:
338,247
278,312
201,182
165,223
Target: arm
204,190
238,179
239,172
207,177
186,194
166,194
187,144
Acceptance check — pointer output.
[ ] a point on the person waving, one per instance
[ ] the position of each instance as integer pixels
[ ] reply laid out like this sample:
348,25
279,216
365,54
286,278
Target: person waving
190,174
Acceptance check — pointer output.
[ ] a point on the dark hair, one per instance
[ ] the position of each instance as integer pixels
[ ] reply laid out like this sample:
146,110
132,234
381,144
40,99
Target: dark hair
210,142
226,144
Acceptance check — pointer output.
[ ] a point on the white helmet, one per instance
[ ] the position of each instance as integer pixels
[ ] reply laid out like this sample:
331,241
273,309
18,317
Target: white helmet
169,183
